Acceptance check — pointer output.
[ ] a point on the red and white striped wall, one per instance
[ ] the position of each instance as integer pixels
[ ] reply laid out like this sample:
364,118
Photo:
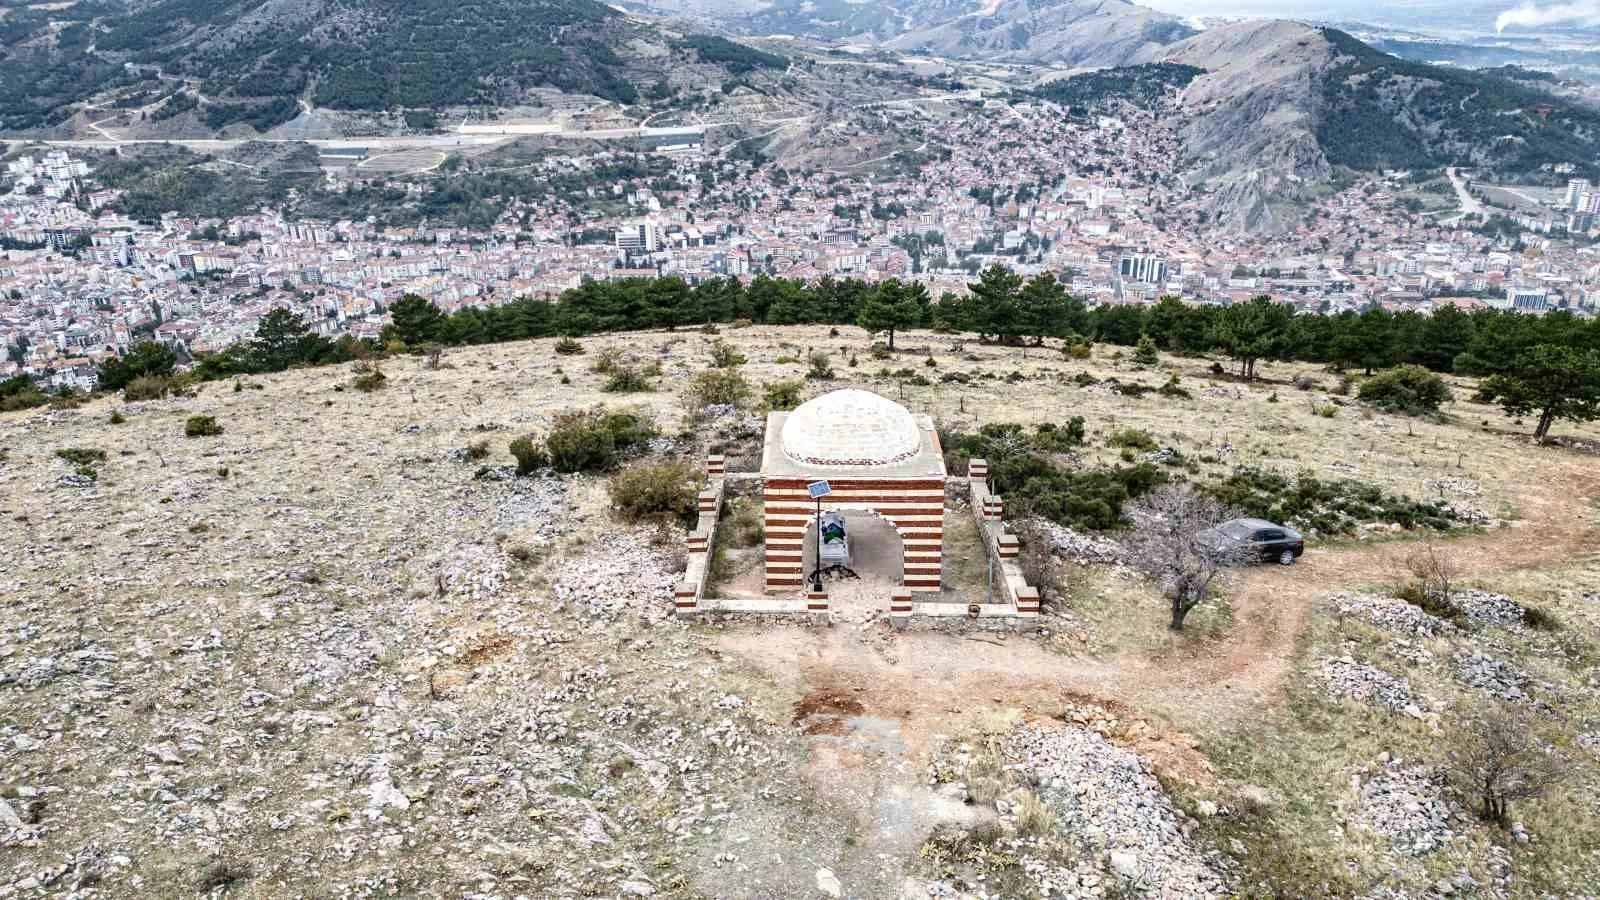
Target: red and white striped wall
914,506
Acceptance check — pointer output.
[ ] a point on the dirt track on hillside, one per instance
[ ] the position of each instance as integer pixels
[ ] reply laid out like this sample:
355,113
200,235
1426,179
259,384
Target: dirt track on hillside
928,679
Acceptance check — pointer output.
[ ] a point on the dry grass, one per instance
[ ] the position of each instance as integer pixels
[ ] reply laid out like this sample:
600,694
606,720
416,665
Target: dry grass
303,456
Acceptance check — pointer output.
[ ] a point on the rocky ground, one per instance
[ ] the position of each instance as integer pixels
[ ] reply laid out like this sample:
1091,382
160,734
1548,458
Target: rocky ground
331,652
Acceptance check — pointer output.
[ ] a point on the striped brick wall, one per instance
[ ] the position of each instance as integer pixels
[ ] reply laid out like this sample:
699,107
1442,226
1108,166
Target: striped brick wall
915,507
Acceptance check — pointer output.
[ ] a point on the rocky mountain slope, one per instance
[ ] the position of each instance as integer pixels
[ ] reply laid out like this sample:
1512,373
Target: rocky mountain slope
1063,32
1281,105
1249,125
1070,32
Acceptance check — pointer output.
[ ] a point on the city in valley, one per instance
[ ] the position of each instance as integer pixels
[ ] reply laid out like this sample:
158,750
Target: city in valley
91,268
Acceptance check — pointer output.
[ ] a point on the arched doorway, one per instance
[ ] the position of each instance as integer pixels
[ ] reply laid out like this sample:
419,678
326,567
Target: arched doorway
877,556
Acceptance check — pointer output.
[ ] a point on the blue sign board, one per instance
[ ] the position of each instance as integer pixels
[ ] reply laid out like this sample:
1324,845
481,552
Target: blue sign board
819,489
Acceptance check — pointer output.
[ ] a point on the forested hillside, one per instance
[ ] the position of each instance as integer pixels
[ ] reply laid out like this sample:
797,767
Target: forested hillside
1378,111
1143,85
254,61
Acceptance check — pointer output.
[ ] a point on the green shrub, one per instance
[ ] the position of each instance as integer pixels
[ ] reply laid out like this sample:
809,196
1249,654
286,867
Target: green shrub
1059,439
568,347
718,387
1325,410
630,429
1023,470
1077,347
661,492
1412,390
1173,389
1434,604
821,366
593,440
1145,352
606,360
368,377
626,379
117,418
477,450
19,392
530,455
879,352
148,387
1325,507
1539,618
1133,439
201,426
782,396
82,456
725,356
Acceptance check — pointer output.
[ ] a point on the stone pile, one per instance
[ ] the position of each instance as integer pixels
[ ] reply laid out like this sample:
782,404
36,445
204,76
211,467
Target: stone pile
1392,613
1347,678
1495,677
1107,800
1405,803
1081,548
1488,608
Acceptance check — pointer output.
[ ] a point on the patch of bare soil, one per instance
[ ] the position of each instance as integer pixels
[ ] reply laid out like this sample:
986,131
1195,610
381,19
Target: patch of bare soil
823,711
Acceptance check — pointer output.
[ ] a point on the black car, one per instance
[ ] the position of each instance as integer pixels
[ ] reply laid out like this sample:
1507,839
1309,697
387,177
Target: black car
1251,540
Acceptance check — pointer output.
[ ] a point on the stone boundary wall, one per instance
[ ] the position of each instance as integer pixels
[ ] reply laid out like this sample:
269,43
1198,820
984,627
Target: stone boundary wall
1002,546
687,595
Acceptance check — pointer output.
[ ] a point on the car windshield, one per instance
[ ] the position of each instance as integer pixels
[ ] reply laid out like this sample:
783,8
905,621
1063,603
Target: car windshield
1239,531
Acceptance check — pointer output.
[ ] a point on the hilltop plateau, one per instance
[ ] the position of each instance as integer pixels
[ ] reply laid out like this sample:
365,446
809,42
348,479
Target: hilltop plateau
333,644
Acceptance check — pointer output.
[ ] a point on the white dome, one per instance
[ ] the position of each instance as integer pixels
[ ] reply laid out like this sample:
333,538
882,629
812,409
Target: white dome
850,428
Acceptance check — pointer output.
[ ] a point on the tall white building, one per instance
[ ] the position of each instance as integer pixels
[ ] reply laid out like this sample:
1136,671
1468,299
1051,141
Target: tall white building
1576,189
1528,297
1149,268
639,237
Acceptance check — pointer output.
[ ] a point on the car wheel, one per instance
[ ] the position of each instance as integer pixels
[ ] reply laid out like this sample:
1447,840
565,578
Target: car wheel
1286,557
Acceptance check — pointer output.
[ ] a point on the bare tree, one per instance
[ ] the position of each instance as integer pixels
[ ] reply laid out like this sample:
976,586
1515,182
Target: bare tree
1163,544
1496,757
1434,569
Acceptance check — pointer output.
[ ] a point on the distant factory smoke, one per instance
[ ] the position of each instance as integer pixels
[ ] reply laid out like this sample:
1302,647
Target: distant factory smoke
1529,14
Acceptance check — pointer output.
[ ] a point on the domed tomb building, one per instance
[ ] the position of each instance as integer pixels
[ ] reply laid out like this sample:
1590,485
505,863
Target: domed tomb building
877,456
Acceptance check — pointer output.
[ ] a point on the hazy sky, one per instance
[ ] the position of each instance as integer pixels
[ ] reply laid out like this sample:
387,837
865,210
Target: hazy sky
1447,14
1307,9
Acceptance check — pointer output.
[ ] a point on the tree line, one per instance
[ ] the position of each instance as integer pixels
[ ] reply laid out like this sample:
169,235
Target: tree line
1004,307
1546,365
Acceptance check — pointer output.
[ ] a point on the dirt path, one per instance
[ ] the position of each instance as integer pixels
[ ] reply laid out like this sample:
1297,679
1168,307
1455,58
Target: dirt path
895,695
927,679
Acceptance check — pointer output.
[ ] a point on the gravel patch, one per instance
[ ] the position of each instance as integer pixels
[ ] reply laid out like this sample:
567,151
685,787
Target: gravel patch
1486,608
1392,613
1347,678
622,575
1405,803
1107,800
